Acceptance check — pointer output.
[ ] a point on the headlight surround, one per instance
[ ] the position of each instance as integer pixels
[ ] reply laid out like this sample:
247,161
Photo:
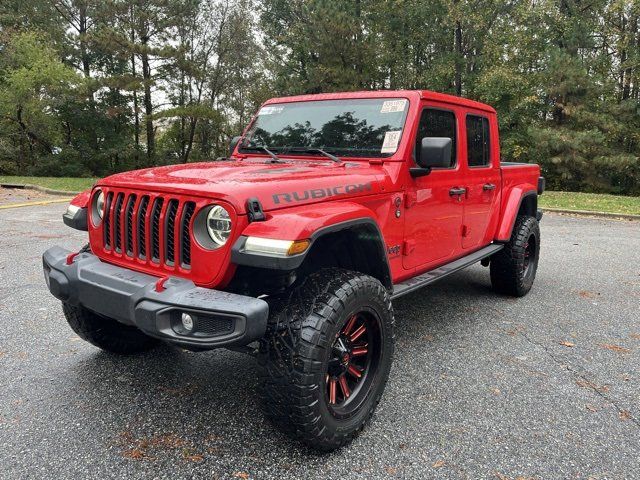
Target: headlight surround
97,208
219,225
100,204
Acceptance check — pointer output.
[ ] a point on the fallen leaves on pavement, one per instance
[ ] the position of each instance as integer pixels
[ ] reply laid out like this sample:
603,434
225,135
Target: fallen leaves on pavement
625,415
588,294
135,454
567,344
593,386
615,348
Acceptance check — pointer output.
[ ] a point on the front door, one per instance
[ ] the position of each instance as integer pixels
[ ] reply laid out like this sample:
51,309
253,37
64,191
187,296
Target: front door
433,212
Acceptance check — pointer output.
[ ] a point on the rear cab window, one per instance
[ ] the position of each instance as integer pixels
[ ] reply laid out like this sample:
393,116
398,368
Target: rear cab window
478,141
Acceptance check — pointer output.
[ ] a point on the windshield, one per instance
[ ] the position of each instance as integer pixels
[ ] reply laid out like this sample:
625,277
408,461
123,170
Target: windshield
351,127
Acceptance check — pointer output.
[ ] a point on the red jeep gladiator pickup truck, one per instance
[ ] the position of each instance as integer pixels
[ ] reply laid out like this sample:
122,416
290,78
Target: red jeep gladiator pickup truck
293,248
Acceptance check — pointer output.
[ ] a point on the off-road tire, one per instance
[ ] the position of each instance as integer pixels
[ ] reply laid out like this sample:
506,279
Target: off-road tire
293,356
106,333
513,269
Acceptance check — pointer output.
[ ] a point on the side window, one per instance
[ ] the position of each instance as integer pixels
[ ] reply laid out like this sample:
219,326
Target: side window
478,141
437,123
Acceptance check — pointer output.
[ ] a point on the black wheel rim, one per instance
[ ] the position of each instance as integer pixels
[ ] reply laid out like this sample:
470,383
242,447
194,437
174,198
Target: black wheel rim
529,255
353,363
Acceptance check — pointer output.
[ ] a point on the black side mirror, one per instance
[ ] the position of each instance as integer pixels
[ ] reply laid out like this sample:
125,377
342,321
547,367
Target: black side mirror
233,144
435,152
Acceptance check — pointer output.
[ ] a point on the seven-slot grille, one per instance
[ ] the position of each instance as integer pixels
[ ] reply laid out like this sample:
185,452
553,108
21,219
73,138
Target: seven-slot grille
151,228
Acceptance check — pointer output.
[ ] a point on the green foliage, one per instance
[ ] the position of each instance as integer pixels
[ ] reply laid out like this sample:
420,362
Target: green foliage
34,85
93,87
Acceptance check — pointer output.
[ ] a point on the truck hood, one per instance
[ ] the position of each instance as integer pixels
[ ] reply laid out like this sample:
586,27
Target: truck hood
279,185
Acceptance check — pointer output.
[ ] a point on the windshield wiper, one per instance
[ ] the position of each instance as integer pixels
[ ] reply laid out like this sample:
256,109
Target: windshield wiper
274,157
315,150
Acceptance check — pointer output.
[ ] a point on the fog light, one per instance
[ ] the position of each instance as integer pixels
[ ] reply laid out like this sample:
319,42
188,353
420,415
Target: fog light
187,322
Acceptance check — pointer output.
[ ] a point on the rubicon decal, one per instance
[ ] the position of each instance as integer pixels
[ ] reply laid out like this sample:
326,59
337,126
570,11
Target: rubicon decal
318,193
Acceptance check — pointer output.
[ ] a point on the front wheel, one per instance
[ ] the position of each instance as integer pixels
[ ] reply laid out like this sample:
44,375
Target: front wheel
513,269
326,357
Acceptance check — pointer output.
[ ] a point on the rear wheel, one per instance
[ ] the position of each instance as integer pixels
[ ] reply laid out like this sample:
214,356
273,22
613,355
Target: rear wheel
513,269
106,333
326,357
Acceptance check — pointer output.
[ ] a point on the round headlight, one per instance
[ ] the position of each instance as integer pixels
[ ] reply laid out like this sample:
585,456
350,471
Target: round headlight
219,225
97,208
100,204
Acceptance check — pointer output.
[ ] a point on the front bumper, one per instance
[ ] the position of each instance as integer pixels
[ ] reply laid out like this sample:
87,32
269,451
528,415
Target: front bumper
221,319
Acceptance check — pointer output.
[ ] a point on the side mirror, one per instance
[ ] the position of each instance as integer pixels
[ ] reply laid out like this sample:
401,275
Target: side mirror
233,144
435,152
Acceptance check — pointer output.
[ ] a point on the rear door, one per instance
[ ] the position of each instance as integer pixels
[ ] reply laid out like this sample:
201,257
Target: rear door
433,216
482,179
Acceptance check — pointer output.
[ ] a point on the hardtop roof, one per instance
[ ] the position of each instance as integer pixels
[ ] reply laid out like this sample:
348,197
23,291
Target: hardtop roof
410,94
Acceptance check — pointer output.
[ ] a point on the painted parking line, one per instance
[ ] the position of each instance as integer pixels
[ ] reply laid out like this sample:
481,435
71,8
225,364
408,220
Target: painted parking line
31,204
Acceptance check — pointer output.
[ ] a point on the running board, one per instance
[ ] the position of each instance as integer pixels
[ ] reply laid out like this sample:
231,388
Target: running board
408,286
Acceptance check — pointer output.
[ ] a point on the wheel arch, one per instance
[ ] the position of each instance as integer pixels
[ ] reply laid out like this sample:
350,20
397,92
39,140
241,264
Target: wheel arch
522,200
341,234
366,248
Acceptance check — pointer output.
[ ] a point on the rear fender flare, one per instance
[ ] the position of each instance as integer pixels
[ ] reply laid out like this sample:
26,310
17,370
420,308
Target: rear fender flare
511,208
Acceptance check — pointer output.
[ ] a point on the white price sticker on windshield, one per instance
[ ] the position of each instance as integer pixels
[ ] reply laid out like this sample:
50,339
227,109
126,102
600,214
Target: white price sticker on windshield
270,110
391,140
391,106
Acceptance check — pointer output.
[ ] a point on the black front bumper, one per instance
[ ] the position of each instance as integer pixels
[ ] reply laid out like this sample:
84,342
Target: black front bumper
220,319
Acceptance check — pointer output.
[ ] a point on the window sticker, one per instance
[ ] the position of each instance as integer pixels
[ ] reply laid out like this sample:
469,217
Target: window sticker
270,110
391,106
391,140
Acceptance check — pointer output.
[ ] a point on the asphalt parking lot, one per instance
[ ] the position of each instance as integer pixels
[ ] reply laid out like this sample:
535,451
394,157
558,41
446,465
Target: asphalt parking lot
482,386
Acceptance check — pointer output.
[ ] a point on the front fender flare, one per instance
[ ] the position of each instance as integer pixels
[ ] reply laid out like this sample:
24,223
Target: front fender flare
300,223
77,218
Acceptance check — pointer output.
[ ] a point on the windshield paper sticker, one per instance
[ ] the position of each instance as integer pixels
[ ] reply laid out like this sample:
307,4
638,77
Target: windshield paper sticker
391,106
270,110
391,140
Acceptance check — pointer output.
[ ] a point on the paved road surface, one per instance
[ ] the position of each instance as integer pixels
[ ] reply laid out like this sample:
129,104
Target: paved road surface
482,386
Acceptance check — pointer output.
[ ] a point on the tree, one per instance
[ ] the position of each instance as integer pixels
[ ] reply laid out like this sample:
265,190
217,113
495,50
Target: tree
34,84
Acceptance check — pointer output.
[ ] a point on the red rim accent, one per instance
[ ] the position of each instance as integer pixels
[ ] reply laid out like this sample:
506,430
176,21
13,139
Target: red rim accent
358,351
358,333
346,392
349,326
355,371
350,366
332,390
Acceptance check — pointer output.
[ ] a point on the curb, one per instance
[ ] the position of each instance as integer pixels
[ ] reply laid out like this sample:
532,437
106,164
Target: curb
34,204
28,186
588,213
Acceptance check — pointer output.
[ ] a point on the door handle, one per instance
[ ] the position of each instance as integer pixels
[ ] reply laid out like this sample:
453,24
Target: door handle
488,186
457,191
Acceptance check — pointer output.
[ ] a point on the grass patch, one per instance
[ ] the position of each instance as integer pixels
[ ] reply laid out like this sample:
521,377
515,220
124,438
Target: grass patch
565,200
594,202
57,183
